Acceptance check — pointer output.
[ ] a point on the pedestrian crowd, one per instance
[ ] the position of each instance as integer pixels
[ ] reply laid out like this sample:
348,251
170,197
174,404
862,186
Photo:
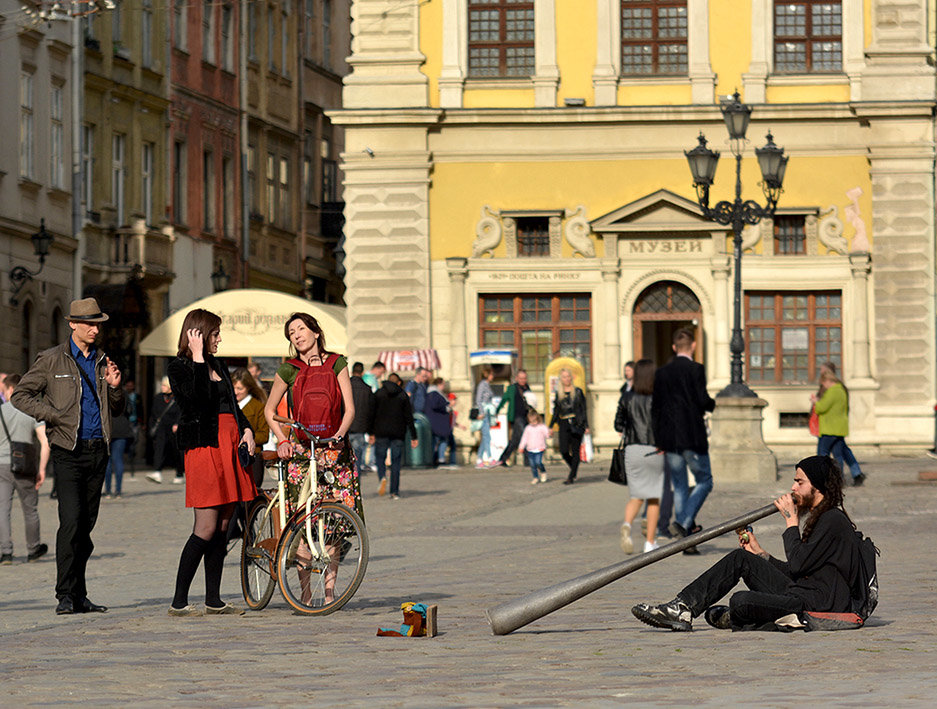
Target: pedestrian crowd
73,413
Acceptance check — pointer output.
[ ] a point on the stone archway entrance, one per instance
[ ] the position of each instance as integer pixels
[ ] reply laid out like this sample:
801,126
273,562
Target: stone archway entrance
661,309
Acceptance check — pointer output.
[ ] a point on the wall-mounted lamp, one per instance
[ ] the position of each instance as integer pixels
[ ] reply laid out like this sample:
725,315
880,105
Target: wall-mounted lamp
42,242
220,278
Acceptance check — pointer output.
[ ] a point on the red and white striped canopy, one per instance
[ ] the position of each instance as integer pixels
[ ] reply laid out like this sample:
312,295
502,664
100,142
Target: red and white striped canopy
404,360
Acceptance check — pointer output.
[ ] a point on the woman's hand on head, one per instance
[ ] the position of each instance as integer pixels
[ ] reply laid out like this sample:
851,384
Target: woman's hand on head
196,344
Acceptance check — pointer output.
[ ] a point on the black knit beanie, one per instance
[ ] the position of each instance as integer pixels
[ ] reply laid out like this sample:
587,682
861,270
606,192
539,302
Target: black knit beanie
817,470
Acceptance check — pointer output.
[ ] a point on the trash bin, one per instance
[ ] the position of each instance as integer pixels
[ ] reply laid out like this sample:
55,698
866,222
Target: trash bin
422,455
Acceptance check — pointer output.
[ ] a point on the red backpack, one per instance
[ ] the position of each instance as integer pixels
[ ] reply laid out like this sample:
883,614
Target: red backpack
316,398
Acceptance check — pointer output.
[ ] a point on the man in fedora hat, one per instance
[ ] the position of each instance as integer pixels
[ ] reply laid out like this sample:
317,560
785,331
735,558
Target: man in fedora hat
75,388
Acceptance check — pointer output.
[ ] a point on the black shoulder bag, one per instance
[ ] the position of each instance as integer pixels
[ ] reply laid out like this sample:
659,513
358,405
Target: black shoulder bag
22,455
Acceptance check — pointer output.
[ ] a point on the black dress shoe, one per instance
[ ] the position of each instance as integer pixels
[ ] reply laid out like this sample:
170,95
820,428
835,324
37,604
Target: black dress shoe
86,606
569,481
66,606
691,551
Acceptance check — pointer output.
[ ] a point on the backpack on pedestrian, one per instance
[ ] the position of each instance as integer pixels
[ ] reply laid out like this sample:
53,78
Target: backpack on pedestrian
864,594
315,399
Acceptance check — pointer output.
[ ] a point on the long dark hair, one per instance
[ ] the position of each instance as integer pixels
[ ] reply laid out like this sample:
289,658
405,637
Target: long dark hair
202,320
247,379
643,381
832,498
313,325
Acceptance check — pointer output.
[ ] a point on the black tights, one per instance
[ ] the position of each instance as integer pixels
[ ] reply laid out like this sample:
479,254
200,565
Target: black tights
569,447
208,542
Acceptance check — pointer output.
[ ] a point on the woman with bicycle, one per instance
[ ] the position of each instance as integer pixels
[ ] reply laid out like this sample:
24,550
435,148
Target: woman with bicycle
214,436
318,386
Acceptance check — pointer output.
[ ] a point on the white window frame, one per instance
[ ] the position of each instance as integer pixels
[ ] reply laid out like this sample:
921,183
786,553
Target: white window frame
452,77
208,31
87,166
119,175
227,37
146,34
27,127
284,38
56,138
148,175
181,25
760,74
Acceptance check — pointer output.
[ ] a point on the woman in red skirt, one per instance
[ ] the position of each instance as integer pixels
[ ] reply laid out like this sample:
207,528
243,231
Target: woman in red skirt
211,429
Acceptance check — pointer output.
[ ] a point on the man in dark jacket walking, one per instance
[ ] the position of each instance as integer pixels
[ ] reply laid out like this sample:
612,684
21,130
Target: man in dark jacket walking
362,396
517,412
679,403
391,418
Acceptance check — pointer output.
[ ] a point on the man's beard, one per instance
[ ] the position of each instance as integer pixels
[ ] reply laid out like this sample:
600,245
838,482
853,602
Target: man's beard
804,504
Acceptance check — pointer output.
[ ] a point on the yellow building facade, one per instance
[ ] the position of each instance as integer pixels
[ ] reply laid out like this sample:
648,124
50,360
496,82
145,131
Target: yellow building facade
515,179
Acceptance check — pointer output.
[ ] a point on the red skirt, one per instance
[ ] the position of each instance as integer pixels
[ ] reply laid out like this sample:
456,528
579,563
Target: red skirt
214,476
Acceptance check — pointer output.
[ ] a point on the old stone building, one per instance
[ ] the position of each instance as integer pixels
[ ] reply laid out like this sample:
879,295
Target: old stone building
515,179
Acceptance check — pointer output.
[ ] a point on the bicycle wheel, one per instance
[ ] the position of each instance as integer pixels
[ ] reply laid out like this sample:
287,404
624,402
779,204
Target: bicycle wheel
257,557
322,559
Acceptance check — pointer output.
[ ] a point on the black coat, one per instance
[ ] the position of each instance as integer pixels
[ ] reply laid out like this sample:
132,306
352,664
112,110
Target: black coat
391,414
680,400
362,396
199,403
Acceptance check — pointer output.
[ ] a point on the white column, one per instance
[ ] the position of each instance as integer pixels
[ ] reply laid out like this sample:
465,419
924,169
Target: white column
702,78
547,73
754,82
860,263
719,332
611,272
605,74
454,57
853,46
458,344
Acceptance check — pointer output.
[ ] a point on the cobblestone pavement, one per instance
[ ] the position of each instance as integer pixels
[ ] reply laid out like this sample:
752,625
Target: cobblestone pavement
468,540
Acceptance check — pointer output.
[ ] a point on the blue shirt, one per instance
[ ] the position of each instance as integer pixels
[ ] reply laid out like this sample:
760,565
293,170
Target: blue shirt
90,426
417,392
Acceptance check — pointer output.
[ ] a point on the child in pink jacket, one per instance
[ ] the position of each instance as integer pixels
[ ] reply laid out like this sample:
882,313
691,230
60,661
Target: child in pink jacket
534,441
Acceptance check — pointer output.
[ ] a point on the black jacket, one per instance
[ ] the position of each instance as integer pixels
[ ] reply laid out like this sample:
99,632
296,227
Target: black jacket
391,414
680,400
362,396
563,406
634,415
824,568
198,401
165,413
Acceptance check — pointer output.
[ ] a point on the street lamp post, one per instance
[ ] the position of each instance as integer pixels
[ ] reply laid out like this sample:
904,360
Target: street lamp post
737,213
42,241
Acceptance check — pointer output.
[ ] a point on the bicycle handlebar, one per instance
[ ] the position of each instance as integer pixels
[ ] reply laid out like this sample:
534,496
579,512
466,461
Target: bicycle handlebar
316,440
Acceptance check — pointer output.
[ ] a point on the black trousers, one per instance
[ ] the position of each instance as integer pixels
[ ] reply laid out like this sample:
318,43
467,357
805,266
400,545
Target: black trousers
165,451
569,447
79,476
767,600
517,432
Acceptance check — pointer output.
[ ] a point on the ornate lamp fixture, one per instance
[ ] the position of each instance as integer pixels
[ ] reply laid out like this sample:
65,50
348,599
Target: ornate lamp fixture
42,242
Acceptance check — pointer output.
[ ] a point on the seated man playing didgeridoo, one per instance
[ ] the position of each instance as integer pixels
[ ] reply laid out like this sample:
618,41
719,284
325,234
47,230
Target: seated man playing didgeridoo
821,568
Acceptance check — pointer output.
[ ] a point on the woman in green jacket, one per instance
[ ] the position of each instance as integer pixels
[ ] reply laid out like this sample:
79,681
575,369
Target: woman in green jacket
832,408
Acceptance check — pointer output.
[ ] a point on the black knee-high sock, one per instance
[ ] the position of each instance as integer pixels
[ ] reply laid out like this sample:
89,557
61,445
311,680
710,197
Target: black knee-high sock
192,554
214,563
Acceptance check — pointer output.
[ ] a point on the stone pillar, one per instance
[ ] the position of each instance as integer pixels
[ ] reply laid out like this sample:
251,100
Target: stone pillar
702,78
611,272
605,74
718,331
897,64
458,344
737,448
861,265
547,73
754,81
454,60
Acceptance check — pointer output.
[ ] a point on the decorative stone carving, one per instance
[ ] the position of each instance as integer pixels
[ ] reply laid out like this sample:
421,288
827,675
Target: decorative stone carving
810,231
830,230
577,232
556,236
509,225
751,235
487,233
860,242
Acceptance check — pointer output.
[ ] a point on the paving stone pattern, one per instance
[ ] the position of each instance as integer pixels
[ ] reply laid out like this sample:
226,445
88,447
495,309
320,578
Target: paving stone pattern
468,540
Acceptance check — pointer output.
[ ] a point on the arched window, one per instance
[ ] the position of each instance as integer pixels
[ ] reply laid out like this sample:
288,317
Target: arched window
660,311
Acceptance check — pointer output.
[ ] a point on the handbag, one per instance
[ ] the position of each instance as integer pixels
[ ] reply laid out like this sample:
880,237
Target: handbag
586,451
813,423
616,471
474,414
22,455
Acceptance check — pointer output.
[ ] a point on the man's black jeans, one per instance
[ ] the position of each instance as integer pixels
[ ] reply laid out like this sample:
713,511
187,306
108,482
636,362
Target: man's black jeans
517,432
79,477
767,600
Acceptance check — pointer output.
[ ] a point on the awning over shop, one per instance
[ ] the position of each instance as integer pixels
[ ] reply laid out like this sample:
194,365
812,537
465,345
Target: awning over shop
252,324
403,360
492,357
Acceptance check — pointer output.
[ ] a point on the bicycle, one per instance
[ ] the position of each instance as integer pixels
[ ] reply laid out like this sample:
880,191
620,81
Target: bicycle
316,551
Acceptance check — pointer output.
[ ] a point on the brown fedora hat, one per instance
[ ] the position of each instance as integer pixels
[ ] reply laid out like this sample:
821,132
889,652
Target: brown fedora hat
85,310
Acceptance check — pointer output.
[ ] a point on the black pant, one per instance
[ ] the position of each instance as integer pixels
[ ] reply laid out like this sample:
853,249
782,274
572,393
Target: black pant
165,451
569,447
79,476
768,599
517,432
